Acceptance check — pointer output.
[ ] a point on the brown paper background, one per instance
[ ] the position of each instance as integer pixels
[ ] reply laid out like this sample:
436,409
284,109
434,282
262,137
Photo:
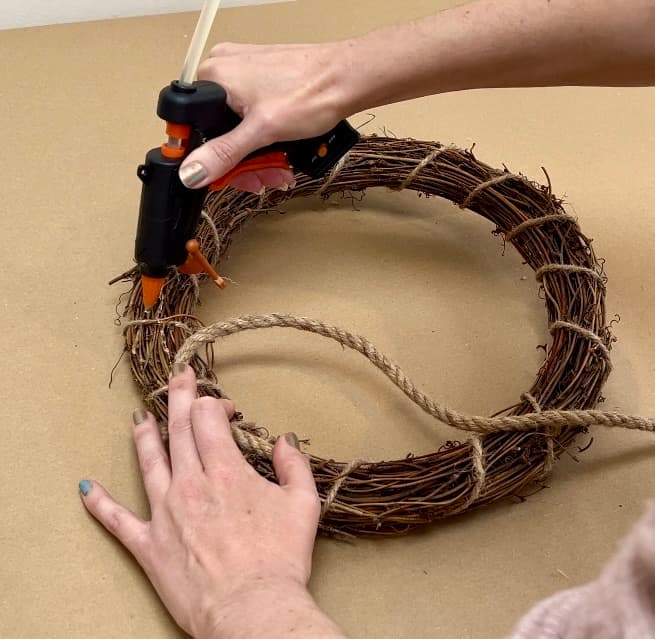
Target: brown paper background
426,282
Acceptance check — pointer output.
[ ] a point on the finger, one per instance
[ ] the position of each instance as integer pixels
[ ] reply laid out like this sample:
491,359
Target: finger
119,521
291,466
250,182
254,181
213,434
220,155
278,178
153,460
182,391
229,407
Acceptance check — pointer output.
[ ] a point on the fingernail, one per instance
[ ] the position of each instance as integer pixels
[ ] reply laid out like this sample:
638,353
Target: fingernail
139,416
284,187
178,368
85,487
292,440
192,174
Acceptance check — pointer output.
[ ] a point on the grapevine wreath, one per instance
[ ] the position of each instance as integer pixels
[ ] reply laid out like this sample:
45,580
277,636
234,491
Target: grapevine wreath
505,452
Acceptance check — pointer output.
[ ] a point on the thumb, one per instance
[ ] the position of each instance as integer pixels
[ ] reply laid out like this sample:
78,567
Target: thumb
291,466
217,157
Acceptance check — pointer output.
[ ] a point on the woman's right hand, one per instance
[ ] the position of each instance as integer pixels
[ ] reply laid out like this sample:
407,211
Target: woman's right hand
281,92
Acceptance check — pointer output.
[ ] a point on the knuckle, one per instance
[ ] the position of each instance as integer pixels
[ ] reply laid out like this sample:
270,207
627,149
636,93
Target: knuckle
222,48
189,489
177,383
307,502
205,70
206,404
288,465
310,503
219,476
116,522
179,424
141,546
150,462
209,407
268,125
225,475
222,152
294,465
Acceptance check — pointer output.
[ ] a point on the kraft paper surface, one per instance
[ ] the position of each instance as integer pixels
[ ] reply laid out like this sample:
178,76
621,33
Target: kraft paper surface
426,282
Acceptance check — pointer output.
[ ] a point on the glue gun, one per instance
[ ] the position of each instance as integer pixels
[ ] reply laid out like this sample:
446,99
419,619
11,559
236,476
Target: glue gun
194,112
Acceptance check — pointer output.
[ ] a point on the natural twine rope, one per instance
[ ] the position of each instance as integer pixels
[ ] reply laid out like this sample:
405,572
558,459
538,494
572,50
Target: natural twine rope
538,221
549,462
485,185
567,268
331,495
549,420
585,332
413,174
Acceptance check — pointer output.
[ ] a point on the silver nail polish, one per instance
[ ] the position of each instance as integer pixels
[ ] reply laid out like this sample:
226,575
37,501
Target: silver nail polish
292,440
178,368
192,174
139,416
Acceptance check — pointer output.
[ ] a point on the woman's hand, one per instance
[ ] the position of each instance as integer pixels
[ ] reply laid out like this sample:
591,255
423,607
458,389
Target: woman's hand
224,547
282,92
298,91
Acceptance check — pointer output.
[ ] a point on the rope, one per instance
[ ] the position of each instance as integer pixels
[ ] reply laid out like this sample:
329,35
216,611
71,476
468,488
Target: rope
586,333
568,268
345,473
485,185
214,230
548,420
478,472
549,462
538,221
420,166
333,175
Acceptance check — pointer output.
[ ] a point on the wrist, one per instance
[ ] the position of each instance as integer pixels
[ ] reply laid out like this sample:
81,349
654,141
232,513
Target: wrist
371,70
341,81
271,610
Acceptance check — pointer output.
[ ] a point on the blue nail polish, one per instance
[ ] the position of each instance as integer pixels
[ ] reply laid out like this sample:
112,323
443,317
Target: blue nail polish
85,487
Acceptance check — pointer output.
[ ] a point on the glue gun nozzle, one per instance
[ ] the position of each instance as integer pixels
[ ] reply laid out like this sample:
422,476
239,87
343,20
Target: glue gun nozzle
151,288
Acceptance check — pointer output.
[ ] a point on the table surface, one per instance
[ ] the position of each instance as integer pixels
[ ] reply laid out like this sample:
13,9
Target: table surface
427,283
